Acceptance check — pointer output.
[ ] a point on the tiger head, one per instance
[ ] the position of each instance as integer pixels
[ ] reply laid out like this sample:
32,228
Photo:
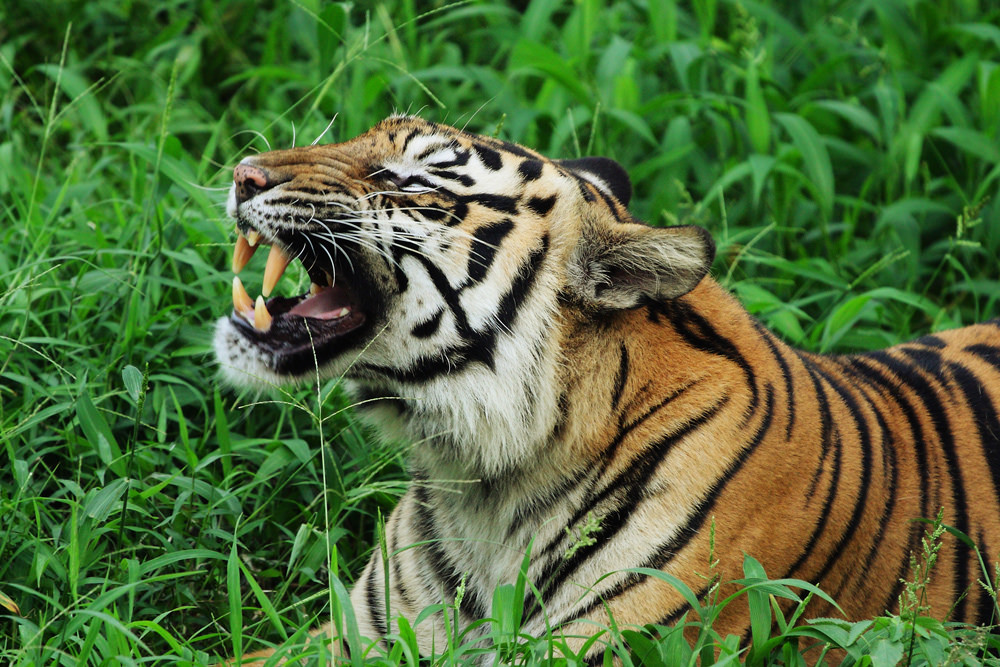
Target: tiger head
447,272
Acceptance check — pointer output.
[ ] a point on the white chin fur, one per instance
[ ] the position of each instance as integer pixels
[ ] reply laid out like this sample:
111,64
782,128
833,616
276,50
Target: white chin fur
240,363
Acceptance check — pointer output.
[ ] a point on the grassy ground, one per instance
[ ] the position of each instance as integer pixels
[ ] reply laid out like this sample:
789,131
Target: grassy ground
845,155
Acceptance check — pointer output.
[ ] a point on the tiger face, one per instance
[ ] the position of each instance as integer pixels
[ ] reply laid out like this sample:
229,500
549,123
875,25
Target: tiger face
442,265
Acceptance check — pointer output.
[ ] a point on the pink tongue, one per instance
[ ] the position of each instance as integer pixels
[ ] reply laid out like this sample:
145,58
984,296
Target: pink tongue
324,306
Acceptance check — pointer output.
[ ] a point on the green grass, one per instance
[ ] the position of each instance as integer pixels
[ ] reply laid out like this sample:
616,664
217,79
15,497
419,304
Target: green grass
845,156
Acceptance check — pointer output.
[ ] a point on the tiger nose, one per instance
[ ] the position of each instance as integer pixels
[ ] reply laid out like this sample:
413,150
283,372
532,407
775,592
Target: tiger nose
249,181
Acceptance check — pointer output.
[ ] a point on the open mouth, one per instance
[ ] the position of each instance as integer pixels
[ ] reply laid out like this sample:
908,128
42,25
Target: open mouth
288,326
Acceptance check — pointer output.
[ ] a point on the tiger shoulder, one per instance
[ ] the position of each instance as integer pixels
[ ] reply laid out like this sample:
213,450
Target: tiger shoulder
557,364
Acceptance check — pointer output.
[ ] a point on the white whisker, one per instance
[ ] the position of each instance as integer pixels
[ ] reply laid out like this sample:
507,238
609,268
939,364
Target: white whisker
325,130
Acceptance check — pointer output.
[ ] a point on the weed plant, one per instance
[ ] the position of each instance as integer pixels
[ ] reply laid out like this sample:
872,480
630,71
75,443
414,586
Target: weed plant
845,156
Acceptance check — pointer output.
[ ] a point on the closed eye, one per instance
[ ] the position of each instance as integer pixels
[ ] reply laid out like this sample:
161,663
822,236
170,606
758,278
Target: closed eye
411,183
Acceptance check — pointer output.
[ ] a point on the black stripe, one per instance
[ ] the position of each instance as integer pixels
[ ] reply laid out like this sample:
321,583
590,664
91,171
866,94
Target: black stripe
528,509
984,415
375,609
459,212
609,452
442,567
826,422
928,360
866,369
476,346
519,151
930,341
490,158
620,377
400,592
786,375
433,213
701,335
890,480
607,456
561,418
628,487
988,353
830,440
523,283
683,536
541,205
930,401
864,484
289,199
501,203
486,241
428,328
695,521
461,159
447,292
612,203
409,137
464,179
530,170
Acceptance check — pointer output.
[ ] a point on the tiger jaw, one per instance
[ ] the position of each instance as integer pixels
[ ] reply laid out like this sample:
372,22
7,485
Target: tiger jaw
286,332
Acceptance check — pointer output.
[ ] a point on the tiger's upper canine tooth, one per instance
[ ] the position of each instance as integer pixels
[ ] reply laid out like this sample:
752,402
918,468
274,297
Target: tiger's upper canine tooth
242,253
277,262
261,317
242,302
314,289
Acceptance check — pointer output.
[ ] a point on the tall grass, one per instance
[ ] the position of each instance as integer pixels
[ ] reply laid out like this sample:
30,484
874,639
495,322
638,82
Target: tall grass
845,155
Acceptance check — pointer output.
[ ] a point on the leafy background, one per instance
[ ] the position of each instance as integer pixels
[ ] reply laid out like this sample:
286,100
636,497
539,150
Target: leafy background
844,154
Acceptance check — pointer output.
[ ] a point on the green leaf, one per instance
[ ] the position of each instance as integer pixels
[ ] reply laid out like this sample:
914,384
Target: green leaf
856,115
760,611
886,653
842,319
235,599
815,159
99,435
678,585
971,141
760,168
983,31
634,122
132,377
98,506
532,56
758,122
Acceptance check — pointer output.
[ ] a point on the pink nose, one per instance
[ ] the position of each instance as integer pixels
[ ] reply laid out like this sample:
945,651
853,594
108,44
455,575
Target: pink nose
249,181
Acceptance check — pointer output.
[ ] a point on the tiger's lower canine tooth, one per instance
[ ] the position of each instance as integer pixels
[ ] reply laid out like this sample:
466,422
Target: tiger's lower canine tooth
242,303
261,318
277,262
242,253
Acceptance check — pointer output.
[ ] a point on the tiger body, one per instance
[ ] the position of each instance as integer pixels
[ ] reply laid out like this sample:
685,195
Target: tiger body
555,363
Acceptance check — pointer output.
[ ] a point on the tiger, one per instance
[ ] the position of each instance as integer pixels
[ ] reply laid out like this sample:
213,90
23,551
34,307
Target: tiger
563,369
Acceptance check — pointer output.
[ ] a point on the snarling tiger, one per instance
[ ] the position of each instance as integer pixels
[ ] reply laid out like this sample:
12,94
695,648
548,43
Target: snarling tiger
557,362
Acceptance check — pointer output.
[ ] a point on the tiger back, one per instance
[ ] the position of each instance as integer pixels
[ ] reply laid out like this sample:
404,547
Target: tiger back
557,364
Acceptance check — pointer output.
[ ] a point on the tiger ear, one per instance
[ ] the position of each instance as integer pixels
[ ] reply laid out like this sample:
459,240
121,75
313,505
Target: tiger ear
604,173
621,267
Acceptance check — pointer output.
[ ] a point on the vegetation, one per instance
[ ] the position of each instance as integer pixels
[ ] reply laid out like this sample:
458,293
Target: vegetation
844,154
